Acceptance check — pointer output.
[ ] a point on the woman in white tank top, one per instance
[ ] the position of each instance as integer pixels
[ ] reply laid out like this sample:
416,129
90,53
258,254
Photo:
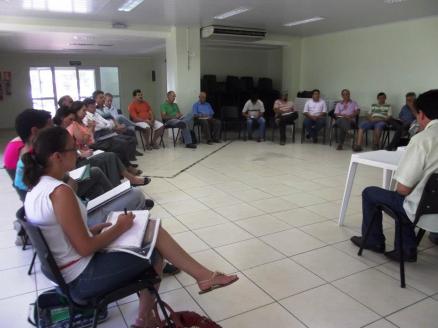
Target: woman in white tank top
53,206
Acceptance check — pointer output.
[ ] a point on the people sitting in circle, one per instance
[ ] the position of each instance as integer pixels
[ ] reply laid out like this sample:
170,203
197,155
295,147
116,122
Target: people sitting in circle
315,111
285,114
253,111
405,119
203,113
141,112
346,113
79,248
377,120
172,117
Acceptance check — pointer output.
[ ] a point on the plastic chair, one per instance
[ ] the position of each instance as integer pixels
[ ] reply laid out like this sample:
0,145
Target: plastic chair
230,115
426,219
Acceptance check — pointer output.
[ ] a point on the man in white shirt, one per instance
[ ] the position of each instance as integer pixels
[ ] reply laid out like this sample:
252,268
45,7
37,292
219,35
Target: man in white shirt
416,166
253,112
315,111
285,114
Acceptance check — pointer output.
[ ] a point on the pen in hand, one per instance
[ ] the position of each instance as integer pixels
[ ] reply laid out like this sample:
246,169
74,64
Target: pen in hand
126,212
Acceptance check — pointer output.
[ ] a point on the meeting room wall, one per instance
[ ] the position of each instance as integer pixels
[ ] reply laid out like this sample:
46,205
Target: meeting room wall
240,62
134,72
394,58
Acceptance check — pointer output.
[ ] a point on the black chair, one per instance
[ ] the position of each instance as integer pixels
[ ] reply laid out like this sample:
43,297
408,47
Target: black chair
140,133
324,132
334,128
231,115
98,303
174,137
426,218
197,125
275,126
384,138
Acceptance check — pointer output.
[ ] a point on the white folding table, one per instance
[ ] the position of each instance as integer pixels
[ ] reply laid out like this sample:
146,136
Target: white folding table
387,160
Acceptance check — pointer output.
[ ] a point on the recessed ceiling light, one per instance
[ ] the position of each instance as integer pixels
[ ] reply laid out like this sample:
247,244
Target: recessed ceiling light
304,21
392,2
67,6
233,12
129,5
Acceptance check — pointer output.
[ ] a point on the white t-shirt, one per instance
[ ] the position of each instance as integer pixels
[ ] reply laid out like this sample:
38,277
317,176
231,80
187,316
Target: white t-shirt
101,123
39,210
253,109
417,164
315,108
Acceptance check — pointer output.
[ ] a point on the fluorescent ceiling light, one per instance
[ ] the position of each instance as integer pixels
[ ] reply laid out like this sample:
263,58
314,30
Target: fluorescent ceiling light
66,6
230,13
304,21
129,5
392,2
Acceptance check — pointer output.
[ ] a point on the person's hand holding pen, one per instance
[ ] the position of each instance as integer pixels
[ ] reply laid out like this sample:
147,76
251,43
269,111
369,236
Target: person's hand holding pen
125,220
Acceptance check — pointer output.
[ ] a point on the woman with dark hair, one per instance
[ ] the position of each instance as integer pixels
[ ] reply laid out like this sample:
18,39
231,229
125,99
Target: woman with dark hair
84,136
78,250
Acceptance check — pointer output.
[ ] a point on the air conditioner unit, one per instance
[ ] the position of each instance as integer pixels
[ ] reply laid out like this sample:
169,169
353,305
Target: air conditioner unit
218,32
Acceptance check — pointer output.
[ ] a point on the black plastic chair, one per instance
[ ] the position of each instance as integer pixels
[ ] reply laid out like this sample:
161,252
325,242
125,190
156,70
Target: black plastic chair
140,133
98,303
275,126
197,125
428,205
230,115
334,128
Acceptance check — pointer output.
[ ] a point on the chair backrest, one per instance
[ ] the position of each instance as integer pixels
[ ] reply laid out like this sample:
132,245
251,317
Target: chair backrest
48,263
230,112
426,216
264,84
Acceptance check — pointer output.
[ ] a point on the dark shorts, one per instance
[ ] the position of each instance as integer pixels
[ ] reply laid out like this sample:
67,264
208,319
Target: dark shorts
109,271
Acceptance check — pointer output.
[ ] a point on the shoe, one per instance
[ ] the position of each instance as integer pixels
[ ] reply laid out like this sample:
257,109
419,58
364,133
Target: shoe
340,147
217,280
216,141
258,140
356,240
376,147
146,180
209,142
137,153
148,204
148,147
170,270
155,146
357,148
193,146
394,255
308,136
134,165
282,143
315,140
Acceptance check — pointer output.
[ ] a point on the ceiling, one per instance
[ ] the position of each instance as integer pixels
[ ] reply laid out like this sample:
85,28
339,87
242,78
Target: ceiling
270,15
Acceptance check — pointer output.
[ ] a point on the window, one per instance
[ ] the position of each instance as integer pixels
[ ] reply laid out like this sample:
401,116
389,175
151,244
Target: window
48,84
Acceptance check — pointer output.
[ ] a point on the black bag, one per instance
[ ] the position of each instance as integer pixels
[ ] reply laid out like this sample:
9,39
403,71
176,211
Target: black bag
50,310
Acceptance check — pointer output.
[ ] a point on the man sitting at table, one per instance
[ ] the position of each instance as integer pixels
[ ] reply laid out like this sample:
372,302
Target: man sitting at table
416,166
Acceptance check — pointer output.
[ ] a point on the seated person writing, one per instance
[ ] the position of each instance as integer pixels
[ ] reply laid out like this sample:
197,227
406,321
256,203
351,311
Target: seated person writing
346,113
253,112
377,120
203,112
172,117
78,249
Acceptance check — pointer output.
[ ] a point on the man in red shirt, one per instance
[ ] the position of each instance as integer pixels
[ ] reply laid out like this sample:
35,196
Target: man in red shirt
141,113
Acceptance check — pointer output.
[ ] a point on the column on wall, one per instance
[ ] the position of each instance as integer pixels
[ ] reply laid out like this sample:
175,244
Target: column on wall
183,65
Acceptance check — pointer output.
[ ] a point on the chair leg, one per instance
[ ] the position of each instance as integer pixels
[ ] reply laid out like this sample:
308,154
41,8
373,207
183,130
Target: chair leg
401,253
302,133
331,127
71,313
420,236
367,233
29,272
324,131
141,139
162,308
293,133
95,317
173,137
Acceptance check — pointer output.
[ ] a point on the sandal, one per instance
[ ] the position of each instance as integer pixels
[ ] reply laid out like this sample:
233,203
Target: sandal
206,286
146,180
140,323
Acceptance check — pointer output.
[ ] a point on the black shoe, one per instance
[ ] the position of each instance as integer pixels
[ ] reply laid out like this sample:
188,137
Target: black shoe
216,141
193,146
209,142
148,204
315,140
282,142
137,153
146,180
375,248
134,165
307,136
394,255
170,270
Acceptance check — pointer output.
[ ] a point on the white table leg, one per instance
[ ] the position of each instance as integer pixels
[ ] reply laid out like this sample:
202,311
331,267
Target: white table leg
387,177
347,191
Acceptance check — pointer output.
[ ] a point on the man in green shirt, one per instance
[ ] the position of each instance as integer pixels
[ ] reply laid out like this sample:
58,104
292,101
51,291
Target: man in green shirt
172,117
377,120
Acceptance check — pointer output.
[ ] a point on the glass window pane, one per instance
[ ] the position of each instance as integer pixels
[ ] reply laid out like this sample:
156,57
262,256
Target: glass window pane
41,82
116,102
66,82
46,104
109,80
87,82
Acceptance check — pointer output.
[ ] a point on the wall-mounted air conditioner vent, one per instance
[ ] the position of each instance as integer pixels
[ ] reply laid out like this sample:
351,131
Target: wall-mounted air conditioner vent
218,32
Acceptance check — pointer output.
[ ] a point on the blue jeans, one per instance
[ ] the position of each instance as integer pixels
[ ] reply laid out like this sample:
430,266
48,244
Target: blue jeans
312,127
261,122
372,196
127,122
373,125
182,123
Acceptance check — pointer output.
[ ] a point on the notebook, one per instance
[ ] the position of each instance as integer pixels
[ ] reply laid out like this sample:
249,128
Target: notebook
96,152
132,240
114,193
81,173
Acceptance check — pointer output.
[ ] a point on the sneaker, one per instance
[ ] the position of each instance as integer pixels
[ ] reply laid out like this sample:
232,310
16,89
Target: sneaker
170,269
356,240
193,146
409,256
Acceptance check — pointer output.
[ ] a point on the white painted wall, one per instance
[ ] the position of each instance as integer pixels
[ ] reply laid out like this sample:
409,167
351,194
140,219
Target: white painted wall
160,84
134,72
394,58
243,62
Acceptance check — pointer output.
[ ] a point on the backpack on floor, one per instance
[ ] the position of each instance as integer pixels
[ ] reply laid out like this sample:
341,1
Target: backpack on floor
50,310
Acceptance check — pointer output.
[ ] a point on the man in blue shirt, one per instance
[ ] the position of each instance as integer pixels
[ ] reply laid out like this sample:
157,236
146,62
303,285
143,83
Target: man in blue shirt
203,113
405,118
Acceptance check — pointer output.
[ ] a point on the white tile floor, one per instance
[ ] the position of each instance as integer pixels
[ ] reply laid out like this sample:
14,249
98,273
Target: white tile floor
268,213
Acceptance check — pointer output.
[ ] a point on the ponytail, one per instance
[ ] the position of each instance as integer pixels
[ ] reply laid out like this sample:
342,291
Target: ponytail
33,170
